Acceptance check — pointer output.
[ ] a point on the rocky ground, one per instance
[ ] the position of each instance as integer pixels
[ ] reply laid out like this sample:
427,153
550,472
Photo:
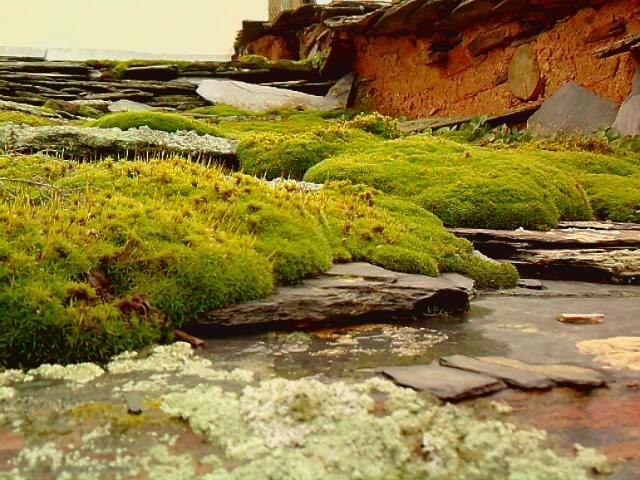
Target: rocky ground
364,323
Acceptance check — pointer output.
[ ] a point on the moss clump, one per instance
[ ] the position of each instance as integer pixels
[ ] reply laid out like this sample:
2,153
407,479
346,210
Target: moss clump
166,122
222,110
290,156
614,197
380,125
465,186
19,118
108,257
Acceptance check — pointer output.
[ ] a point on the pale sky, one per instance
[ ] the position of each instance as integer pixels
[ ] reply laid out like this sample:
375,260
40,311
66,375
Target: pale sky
156,26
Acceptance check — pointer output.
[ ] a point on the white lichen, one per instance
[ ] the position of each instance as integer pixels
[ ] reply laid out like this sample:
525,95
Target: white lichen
77,373
7,393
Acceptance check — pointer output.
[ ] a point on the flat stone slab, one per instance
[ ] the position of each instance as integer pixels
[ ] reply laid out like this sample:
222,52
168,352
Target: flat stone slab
348,293
445,383
566,375
608,266
518,378
574,110
89,143
581,318
585,251
608,236
260,98
616,352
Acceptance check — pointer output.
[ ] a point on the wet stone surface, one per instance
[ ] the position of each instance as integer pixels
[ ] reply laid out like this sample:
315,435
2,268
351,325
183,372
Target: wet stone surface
212,412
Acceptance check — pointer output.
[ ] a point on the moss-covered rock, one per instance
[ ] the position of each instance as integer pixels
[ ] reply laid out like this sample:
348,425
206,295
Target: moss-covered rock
166,122
464,185
20,118
100,258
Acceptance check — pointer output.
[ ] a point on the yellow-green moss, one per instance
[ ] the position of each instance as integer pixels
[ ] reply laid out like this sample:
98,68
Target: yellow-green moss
464,185
19,118
113,256
166,122
290,156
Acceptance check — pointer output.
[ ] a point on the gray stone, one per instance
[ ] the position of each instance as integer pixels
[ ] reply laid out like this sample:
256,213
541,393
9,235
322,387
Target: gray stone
635,84
567,375
445,383
573,110
627,122
342,90
585,251
26,108
134,403
129,106
349,292
258,98
511,376
610,266
90,143
530,284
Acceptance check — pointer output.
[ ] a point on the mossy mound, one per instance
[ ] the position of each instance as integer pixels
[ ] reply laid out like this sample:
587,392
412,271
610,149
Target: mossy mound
19,118
166,122
614,197
222,110
284,155
100,258
465,186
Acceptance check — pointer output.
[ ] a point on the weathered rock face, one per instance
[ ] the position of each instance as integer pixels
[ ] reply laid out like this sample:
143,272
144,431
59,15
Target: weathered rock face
348,293
89,143
458,58
467,74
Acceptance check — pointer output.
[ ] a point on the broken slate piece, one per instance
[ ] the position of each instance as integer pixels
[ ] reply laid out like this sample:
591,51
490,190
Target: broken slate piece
445,383
511,376
134,403
530,284
566,375
574,110
581,318
628,120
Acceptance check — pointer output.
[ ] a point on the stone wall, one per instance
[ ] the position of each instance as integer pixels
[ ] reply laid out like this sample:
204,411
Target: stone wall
407,74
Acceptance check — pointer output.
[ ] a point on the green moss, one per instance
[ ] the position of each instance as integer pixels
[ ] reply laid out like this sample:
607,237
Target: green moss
465,186
222,110
283,155
19,118
113,256
380,125
614,197
167,122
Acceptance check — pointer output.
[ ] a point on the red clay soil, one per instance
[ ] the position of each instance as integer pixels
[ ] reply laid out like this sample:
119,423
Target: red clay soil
400,75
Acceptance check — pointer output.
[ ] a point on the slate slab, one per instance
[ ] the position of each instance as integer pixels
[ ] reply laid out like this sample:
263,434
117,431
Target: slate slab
574,110
348,293
511,376
445,383
260,98
342,90
567,375
627,122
